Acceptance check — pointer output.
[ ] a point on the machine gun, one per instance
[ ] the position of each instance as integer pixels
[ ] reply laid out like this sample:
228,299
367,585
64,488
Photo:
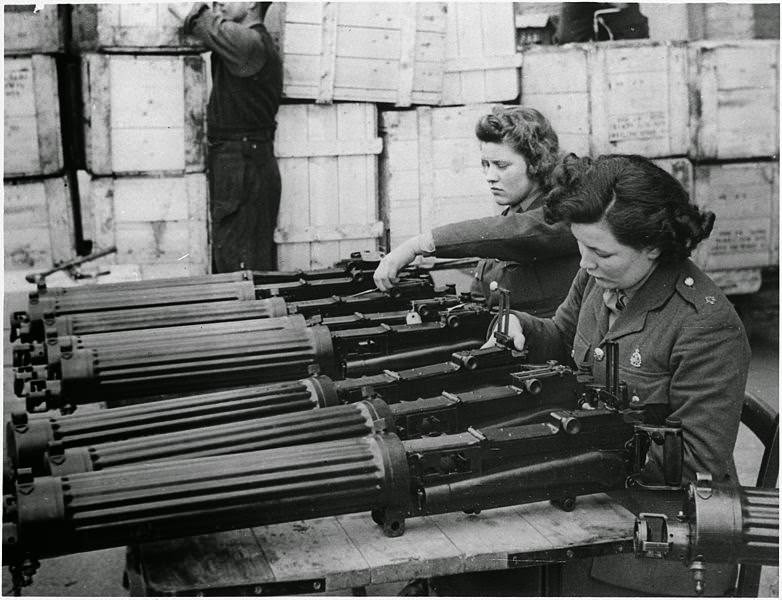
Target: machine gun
719,523
153,317
380,474
348,277
94,368
28,437
124,439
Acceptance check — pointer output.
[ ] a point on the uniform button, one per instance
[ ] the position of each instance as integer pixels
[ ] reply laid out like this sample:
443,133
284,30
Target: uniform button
599,354
689,282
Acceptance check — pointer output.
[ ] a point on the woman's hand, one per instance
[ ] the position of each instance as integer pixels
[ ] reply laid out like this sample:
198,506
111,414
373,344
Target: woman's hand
386,273
514,331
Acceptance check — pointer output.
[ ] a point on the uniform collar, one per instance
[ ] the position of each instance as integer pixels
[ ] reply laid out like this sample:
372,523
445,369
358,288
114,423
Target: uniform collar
535,200
652,294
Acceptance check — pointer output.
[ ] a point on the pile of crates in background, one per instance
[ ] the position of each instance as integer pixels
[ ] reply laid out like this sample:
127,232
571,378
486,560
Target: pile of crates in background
376,140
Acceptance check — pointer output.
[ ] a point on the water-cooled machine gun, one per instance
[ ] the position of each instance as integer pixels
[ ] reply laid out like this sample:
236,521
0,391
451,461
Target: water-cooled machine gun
348,277
719,523
537,393
29,436
597,447
140,364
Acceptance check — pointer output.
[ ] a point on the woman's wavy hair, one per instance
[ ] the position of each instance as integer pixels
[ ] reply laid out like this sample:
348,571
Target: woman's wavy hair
644,206
529,133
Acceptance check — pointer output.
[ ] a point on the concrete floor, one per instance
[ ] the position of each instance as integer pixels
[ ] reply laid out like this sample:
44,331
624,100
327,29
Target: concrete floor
100,573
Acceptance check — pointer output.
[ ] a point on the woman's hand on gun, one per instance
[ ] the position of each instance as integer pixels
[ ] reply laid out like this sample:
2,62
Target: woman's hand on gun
386,274
515,332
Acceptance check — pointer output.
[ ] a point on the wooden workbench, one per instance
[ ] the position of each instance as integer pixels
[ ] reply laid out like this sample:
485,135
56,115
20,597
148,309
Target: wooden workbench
350,551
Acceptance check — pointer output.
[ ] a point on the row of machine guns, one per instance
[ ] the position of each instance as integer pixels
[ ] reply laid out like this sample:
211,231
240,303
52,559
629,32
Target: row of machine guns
360,416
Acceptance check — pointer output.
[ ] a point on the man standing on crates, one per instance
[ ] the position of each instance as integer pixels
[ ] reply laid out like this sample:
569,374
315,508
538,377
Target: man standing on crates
244,179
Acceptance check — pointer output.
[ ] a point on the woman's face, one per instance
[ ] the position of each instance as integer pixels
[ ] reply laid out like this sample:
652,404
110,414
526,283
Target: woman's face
234,11
506,173
613,265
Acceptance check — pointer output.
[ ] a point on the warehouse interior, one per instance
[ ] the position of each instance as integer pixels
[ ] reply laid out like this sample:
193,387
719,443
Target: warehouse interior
107,206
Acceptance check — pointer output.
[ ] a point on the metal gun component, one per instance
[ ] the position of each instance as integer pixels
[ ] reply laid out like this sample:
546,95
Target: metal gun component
40,277
719,523
393,480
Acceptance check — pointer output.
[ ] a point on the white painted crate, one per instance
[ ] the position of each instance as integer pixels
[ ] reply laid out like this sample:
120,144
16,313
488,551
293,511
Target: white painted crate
613,97
33,139
159,224
144,113
328,164
431,169
29,32
37,223
361,51
134,27
735,106
745,199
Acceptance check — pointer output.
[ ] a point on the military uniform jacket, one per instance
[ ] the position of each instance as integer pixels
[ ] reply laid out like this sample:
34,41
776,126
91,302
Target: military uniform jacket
535,261
682,349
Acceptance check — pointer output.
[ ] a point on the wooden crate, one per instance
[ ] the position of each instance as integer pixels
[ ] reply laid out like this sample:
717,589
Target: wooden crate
745,199
32,32
431,169
614,97
681,168
328,163
37,223
144,113
33,138
481,62
735,106
402,53
129,28
157,223
361,51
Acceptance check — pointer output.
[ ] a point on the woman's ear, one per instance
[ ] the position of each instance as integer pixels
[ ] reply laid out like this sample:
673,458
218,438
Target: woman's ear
652,253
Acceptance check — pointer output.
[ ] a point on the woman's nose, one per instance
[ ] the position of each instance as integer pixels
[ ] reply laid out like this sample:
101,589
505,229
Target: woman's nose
491,174
587,262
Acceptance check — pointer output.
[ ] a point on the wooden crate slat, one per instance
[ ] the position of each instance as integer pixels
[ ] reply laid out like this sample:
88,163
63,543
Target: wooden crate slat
735,112
33,137
146,113
32,32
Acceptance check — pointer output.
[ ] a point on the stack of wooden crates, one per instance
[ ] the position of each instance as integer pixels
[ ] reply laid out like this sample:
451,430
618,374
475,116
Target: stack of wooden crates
144,102
376,140
38,218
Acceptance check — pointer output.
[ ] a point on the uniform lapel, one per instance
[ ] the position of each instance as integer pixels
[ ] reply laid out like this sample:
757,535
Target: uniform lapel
651,295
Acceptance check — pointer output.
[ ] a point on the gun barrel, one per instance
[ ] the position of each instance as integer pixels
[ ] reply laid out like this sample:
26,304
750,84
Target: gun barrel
29,437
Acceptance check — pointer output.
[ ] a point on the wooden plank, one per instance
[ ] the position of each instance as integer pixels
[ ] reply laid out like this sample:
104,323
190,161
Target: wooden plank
328,53
330,553
27,31
486,539
32,117
96,100
407,57
423,551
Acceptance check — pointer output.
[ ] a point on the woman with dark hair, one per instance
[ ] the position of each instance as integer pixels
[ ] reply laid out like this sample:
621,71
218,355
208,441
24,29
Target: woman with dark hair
519,150
683,351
